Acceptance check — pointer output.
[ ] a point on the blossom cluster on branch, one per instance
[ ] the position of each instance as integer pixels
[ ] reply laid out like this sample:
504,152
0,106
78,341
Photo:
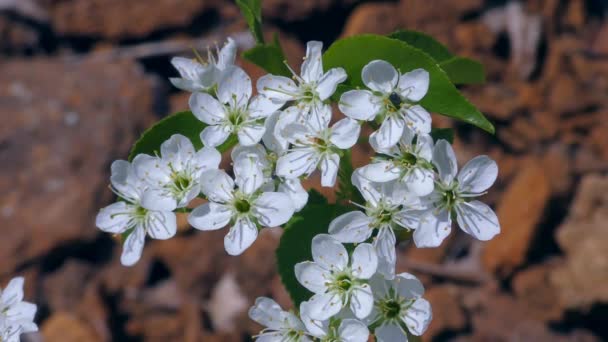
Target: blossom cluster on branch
285,133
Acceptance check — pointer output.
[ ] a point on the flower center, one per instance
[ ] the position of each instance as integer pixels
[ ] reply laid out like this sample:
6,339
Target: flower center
140,212
450,197
344,282
236,117
391,309
408,159
242,206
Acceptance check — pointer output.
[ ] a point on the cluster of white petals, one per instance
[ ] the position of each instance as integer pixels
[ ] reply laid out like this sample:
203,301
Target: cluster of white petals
285,133
16,315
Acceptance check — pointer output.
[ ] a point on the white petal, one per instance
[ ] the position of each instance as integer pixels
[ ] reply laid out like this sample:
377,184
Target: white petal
477,175
273,141
418,317
389,133
380,171
424,147
364,261
409,218
255,151
445,161
312,67
125,181
273,209
344,133
234,87
227,54
408,286
280,89
367,188
240,237
434,227
210,216
478,220
215,135
161,225
297,162
206,108
324,306
178,149
362,301
311,276
261,107
248,173
414,84
329,252
267,312
318,118
352,227
114,218
390,333
152,170
12,293
251,133
420,181
21,312
329,169
184,84
380,76
359,104
384,245
207,158
329,82
296,192
315,327
418,119
187,68
217,186
352,330
158,199
133,246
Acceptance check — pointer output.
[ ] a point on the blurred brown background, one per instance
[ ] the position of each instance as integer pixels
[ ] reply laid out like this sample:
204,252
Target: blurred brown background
81,79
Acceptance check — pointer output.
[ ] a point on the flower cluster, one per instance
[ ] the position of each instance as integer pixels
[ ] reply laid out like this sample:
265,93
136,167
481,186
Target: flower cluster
16,315
285,133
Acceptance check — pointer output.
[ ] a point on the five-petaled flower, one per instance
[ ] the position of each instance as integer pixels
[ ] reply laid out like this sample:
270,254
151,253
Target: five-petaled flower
393,98
280,325
16,315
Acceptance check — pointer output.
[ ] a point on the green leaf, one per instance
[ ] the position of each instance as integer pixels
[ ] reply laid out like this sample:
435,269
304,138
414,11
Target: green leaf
443,133
268,57
252,11
460,70
425,43
295,244
354,53
184,123
463,70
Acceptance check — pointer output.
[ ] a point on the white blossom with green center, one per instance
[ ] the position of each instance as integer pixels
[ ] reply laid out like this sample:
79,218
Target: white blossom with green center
232,112
409,162
399,308
281,326
16,315
131,216
314,144
392,100
309,90
336,282
173,176
198,75
389,207
335,329
454,195
246,207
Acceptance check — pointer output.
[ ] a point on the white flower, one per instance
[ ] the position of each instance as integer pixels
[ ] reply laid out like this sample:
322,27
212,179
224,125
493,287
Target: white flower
454,194
233,113
388,207
267,161
16,315
314,144
198,75
282,326
173,177
131,215
247,207
409,161
393,98
399,303
349,330
335,282
313,86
